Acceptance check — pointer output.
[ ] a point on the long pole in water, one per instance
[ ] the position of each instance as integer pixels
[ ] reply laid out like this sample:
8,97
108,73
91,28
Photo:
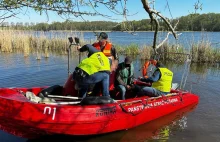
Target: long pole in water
71,43
79,57
69,60
77,43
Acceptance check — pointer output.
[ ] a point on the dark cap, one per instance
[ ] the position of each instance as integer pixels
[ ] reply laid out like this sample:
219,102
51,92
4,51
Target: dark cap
128,60
103,35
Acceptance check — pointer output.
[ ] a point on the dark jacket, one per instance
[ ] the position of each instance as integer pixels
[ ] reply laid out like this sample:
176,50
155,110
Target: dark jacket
155,77
124,76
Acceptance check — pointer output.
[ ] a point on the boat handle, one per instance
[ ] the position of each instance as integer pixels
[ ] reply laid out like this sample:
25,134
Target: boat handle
134,114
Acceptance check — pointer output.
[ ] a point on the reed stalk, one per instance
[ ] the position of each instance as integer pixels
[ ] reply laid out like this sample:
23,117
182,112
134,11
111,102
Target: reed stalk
41,44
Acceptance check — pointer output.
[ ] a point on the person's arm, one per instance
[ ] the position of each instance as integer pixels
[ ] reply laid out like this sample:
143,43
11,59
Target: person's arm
155,77
131,79
88,48
118,78
131,73
115,59
114,53
132,76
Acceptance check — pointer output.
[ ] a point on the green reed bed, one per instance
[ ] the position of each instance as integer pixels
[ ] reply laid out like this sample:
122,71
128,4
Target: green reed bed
174,53
28,43
132,49
41,45
201,52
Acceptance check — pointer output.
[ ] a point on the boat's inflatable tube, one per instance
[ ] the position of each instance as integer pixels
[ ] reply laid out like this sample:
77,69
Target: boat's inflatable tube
95,100
52,90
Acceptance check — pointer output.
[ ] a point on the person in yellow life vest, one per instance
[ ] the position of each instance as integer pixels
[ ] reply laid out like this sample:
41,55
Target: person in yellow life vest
108,49
91,70
161,82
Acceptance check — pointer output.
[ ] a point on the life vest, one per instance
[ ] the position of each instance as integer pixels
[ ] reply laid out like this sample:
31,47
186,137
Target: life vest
106,50
95,63
165,81
147,68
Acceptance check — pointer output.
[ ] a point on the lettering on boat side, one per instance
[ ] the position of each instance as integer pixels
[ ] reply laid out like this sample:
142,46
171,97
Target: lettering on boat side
153,104
105,111
49,111
136,108
160,103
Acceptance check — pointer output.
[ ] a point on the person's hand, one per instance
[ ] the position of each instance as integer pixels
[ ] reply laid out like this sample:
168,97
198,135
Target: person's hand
113,68
140,77
132,86
128,87
78,47
114,65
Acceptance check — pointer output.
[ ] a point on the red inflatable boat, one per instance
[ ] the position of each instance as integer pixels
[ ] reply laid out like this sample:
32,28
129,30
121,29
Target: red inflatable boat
58,110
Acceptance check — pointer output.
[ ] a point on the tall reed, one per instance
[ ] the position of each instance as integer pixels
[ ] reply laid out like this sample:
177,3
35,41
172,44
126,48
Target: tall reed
6,41
41,44
203,52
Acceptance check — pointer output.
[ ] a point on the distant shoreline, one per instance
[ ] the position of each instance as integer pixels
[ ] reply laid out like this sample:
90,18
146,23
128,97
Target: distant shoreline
97,31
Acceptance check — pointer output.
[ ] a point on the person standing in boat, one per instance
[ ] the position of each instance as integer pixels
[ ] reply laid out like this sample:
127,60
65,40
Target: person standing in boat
124,77
161,81
95,68
107,48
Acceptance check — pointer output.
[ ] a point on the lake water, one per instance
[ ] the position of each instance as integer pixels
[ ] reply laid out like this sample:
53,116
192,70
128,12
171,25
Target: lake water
201,125
146,38
186,39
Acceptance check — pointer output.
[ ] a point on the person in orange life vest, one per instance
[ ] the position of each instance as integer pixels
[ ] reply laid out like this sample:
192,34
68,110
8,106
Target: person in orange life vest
161,82
108,49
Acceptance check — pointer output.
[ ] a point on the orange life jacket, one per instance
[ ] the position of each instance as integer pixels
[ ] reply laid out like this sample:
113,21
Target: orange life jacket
106,50
146,66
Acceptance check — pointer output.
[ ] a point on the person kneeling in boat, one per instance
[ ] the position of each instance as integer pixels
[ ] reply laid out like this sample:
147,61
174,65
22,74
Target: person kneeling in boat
95,68
124,77
161,81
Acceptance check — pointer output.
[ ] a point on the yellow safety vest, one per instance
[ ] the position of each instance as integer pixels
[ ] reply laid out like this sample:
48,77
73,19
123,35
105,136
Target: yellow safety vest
95,63
165,81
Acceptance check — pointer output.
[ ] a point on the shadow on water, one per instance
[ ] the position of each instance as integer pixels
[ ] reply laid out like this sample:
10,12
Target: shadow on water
159,129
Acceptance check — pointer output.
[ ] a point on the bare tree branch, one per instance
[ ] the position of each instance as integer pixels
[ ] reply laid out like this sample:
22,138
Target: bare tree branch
153,14
6,16
159,45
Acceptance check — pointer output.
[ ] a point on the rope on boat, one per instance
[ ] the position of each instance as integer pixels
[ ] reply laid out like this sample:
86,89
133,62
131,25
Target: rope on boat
18,90
134,114
164,98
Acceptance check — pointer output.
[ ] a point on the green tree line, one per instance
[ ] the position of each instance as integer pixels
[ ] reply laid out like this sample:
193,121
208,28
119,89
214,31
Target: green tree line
197,22
191,22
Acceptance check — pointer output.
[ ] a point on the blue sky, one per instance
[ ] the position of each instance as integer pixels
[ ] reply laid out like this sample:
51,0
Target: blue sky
177,7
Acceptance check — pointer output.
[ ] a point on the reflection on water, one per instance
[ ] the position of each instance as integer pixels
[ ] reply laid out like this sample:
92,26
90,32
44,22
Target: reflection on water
203,124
